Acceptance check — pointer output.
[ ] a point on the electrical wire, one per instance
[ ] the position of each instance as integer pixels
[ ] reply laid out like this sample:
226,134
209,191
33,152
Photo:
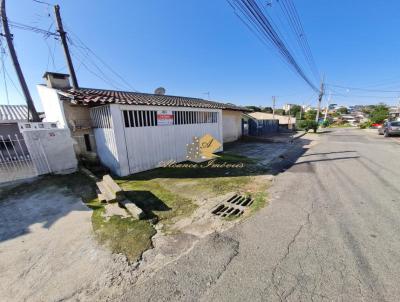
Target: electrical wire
34,29
78,43
3,53
364,89
252,13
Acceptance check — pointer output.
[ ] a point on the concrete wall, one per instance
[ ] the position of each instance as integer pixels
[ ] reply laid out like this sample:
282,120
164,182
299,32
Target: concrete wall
231,125
51,150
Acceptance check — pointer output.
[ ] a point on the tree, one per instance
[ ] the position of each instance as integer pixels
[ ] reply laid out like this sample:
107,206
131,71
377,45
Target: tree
294,110
279,111
254,108
267,109
343,110
379,113
310,115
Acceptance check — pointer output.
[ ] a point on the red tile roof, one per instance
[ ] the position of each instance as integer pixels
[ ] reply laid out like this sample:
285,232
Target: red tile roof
89,96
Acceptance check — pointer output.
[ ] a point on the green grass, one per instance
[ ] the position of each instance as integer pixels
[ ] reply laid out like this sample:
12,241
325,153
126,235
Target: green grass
260,200
169,194
157,201
121,235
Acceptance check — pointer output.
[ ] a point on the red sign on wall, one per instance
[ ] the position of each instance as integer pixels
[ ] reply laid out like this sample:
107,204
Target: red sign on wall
165,118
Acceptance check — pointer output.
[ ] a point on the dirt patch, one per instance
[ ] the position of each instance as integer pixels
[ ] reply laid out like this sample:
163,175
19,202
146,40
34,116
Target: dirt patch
47,247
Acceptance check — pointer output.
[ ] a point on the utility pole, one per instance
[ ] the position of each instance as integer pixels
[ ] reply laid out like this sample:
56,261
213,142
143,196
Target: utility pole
18,70
327,107
64,43
321,95
273,107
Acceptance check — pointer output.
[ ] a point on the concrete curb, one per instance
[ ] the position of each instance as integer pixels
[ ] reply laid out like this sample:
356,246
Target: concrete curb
299,135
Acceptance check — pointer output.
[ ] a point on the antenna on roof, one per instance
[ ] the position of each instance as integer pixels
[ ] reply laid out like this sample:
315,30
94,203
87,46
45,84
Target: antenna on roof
160,91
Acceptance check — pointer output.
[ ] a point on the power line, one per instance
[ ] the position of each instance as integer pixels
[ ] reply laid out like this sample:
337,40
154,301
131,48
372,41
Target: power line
3,53
252,13
288,8
77,42
31,28
364,89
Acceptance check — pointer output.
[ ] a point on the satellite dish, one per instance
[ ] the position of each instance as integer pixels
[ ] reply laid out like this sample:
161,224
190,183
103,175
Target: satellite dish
160,91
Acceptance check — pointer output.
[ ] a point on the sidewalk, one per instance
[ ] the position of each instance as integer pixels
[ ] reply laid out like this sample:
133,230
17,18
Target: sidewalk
282,137
263,150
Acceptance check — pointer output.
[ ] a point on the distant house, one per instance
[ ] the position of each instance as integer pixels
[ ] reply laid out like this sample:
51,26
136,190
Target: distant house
133,132
288,107
10,116
285,121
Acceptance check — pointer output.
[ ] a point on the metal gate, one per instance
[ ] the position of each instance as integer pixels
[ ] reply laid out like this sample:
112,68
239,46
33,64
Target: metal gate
17,162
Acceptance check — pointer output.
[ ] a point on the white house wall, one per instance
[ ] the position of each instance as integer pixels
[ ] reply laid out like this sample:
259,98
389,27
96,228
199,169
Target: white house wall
146,147
105,136
52,106
231,125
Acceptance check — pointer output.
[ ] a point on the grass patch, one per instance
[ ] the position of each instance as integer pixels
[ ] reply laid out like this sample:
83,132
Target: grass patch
158,201
121,235
170,193
260,200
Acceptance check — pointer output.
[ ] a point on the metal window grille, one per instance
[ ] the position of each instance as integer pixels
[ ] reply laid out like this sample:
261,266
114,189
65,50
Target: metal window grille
194,117
101,117
140,118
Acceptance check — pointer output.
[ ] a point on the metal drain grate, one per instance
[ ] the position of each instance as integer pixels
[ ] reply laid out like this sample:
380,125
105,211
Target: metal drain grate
233,206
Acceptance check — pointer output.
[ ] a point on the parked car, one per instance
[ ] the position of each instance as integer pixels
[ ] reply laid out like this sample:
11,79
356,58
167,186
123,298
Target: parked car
376,126
390,128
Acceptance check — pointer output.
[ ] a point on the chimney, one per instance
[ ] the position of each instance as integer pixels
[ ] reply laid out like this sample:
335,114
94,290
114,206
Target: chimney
57,80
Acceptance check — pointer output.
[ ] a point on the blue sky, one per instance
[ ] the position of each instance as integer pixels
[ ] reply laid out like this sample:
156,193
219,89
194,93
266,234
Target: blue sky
191,47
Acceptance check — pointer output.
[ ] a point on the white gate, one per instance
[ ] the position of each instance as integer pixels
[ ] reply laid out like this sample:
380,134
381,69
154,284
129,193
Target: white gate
16,162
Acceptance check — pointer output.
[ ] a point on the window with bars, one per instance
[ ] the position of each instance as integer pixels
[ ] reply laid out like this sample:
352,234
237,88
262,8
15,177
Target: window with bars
101,117
140,118
148,118
194,117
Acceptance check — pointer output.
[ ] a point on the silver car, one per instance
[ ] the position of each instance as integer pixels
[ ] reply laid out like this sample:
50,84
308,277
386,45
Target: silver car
390,128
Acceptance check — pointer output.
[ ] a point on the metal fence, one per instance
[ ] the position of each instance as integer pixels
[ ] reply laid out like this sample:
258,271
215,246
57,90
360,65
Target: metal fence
16,162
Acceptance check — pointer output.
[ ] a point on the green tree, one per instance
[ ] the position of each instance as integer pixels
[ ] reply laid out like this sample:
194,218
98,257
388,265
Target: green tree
310,115
379,113
254,108
295,110
267,109
279,111
343,110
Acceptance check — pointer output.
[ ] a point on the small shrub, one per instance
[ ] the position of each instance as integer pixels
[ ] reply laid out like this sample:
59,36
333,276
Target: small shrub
307,125
326,123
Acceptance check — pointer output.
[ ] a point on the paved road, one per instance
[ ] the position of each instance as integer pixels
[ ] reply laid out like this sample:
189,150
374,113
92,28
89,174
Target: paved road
330,233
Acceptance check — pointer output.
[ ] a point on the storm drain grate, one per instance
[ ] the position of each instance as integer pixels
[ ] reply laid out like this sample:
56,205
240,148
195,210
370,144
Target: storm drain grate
233,206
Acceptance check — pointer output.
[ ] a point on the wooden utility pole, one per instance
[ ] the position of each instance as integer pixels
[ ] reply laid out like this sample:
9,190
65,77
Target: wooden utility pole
327,106
10,44
273,107
321,95
64,43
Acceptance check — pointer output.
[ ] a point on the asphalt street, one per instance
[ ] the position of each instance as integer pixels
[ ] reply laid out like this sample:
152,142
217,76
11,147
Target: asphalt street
331,232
